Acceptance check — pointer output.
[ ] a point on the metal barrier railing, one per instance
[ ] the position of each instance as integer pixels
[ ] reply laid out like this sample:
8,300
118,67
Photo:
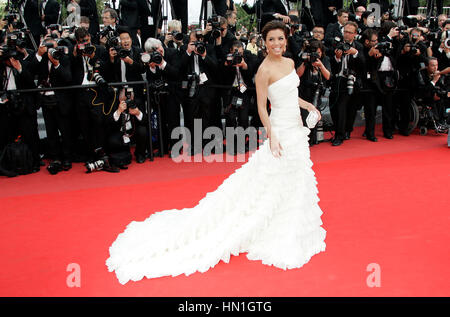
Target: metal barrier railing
148,105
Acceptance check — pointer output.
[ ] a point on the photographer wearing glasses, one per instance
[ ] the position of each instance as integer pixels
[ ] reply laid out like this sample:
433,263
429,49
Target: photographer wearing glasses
347,67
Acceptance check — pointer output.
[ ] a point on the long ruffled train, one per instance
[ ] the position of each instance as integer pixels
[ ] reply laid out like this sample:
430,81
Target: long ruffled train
267,208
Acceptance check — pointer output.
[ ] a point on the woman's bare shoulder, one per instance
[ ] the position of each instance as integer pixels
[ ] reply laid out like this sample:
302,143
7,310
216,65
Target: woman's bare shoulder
263,72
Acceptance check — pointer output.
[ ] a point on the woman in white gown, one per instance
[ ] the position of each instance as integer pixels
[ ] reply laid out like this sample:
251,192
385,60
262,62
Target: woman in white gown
268,208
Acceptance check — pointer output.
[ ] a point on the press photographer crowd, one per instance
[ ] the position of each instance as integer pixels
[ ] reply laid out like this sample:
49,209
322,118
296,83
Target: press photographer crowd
113,85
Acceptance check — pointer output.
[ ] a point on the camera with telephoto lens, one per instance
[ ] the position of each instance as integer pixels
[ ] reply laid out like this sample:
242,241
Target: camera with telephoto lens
178,36
54,27
215,23
309,56
13,18
341,45
94,75
94,166
192,84
351,79
13,40
152,57
200,47
413,49
131,104
234,58
86,48
58,52
385,48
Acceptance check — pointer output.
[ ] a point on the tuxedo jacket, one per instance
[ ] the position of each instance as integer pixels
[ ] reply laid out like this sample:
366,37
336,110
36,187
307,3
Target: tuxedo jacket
333,30
270,7
57,77
23,80
129,13
113,70
51,12
356,64
77,66
89,9
32,17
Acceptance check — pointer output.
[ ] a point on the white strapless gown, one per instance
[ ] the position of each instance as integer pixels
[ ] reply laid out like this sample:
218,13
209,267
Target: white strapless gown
267,208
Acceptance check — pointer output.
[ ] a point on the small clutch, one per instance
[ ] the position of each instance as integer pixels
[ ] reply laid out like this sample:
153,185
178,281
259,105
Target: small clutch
312,119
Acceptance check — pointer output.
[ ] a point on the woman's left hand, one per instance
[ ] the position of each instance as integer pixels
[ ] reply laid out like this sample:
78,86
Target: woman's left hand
312,108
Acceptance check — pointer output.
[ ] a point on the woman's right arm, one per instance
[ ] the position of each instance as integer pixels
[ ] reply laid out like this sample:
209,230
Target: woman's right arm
262,85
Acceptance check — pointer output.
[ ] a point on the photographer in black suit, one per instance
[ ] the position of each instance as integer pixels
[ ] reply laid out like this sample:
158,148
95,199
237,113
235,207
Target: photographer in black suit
49,11
149,11
198,69
238,71
18,111
381,78
163,76
129,16
89,9
336,30
346,65
93,104
331,10
32,19
314,72
275,9
54,71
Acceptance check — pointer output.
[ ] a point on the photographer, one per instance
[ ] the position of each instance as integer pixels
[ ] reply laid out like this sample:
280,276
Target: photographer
409,63
197,70
217,34
124,63
238,73
314,73
54,71
49,11
129,16
89,9
93,104
110,19
298,36
434,92
336,30
163,75
380,80
347,67
17,111
127,124
174,38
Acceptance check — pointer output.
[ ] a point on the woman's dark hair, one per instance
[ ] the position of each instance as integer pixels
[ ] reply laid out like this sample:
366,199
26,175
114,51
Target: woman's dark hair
274,25
315,44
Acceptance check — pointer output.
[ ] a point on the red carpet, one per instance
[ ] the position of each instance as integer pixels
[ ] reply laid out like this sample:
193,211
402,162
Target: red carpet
384,203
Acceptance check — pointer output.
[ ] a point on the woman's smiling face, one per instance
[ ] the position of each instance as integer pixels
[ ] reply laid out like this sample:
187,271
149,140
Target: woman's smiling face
276,42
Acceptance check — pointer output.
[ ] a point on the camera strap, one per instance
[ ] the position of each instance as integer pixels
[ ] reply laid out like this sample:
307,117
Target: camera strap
7,84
